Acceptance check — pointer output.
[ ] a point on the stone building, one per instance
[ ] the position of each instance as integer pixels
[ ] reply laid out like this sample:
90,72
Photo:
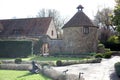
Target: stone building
80,34
28,27
31,29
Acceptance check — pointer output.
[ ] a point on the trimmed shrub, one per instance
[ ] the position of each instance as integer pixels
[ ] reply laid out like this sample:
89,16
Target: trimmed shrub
117,68
107,50
99,55
59,63
101,45
0,62
18,60
107,54
100,48
14,49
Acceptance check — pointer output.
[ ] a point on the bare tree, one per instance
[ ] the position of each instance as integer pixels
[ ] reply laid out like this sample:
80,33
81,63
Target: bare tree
103,20
58,20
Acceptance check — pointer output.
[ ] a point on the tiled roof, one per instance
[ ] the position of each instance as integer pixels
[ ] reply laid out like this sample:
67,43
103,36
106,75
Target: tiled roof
78,20
28,26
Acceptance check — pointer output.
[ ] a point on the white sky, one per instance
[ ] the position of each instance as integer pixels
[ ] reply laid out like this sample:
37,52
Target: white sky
67,8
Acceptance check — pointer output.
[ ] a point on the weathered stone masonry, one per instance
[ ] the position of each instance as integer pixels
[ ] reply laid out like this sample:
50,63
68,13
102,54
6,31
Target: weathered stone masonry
78,42
79,34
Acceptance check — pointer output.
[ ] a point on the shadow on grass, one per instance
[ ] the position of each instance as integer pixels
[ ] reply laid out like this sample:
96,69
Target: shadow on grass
28,74
40,74
114,76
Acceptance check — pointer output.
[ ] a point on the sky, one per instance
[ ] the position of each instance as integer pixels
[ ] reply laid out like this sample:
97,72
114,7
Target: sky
67,8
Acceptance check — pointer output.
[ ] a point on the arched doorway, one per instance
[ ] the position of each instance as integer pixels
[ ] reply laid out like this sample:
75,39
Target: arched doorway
45,49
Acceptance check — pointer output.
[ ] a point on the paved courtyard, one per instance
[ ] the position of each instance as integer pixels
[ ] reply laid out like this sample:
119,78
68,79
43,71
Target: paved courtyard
97,71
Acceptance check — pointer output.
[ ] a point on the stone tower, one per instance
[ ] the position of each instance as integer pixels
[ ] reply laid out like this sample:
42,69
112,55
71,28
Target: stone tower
80,34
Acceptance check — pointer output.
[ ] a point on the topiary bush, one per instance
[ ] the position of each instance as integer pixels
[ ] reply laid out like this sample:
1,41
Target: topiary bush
99,55
100,48
18,60
107,54
101,45
117,68
59,63
107,50
0,62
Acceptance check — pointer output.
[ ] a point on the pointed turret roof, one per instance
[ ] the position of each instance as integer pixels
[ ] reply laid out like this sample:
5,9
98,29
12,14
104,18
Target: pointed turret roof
79,19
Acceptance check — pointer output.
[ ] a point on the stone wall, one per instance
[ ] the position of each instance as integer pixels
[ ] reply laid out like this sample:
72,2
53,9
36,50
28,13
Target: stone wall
78,42
55,45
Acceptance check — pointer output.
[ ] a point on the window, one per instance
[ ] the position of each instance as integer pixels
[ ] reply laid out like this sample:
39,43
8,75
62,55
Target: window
17,31
85,30
52,33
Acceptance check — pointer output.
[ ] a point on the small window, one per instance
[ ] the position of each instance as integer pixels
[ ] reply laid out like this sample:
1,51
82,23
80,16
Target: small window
17,31
52,33
85,30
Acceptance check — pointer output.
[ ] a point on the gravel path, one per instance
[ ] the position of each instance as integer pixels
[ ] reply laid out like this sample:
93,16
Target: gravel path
98,71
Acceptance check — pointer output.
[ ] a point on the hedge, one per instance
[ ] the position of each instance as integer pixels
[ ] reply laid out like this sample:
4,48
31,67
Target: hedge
117,68
37,46
15,48
112,46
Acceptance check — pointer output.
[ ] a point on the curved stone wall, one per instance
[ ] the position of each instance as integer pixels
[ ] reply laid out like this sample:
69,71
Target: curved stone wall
76,41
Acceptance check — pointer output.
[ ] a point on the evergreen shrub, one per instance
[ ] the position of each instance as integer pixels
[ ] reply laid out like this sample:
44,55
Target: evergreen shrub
107,54
59,63
13,49
117,68
0,62
18,60
99,55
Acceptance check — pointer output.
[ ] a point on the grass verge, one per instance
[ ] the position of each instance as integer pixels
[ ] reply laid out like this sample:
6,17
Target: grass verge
20,75
41,58
50,58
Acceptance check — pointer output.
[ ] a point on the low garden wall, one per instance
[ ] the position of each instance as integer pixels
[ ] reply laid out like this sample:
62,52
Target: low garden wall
44,69
15,66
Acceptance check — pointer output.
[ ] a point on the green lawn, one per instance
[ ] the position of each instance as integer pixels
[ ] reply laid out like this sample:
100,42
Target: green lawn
38,58
20,75
41,58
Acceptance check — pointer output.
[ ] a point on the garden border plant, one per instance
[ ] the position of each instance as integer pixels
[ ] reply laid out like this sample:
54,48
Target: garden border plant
18,60
117,68
72,62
